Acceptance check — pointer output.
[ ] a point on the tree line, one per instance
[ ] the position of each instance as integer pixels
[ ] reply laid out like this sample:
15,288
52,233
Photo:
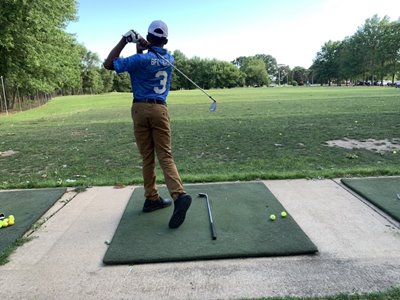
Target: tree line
370,55
39,59
37,56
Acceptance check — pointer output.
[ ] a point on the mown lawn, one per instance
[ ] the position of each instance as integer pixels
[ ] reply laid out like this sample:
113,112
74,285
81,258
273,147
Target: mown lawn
256,133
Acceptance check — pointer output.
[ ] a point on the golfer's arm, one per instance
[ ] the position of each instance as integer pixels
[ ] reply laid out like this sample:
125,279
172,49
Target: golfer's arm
115,52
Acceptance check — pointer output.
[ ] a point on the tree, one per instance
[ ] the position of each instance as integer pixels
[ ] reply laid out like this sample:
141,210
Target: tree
36,54
372,52
255,72
204,72
326,63
182,63
239,61
389,50
270,63
370,36
68,75
122,83
283,74
300,75
92,82
228,75
107,78
350,59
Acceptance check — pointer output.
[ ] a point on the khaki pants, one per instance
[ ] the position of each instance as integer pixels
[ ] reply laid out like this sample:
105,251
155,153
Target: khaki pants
153,136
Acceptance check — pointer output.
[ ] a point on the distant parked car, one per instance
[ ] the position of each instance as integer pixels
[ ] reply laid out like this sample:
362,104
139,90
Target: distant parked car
363,83
397,84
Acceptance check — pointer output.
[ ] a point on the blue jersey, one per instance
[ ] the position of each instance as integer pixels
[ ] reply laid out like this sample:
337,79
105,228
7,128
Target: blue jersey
150,74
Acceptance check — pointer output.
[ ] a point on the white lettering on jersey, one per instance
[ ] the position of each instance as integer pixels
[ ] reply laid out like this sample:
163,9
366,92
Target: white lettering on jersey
158,62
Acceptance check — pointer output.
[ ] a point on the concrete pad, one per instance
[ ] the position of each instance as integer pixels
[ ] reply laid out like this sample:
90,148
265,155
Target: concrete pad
358,252
337,221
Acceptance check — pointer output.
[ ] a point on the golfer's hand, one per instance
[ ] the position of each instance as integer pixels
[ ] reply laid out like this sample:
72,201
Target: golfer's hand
142,45
132,36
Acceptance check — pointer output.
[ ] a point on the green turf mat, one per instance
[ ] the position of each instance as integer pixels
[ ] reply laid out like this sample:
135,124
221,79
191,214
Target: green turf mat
27,206
241,215
382,192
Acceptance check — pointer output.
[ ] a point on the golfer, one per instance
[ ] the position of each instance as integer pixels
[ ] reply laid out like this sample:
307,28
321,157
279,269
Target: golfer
150,79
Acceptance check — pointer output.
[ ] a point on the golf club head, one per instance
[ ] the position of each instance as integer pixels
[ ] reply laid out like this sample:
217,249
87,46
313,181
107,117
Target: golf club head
213,106
202,194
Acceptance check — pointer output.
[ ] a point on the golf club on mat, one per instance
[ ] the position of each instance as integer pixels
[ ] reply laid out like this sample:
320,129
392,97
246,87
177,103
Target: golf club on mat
213,231
213,105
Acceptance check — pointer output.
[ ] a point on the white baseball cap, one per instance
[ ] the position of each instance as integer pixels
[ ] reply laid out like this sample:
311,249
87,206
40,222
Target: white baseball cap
158,28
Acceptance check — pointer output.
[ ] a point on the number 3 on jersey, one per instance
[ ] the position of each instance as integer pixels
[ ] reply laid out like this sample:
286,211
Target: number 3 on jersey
163,75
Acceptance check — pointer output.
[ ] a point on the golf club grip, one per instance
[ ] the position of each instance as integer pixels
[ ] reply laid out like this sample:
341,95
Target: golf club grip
213,232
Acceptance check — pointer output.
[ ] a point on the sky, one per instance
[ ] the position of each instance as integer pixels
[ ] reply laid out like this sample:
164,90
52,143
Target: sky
291,31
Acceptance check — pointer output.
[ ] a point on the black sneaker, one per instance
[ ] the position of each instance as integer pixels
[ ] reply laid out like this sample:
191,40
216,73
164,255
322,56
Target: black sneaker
182,204
152,205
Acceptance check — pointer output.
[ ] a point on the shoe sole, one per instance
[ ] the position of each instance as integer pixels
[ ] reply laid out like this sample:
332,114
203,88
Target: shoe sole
178,217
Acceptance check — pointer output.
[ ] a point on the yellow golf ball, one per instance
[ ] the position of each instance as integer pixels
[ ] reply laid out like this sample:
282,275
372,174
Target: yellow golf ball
283,214
11,222
11,217
272,217
5,223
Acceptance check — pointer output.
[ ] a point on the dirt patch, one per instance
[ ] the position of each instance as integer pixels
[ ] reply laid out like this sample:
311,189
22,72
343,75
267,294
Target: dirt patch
379,146
8,153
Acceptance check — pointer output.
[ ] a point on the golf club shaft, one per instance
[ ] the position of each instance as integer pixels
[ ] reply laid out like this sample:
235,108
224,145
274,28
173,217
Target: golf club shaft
213,231
184,75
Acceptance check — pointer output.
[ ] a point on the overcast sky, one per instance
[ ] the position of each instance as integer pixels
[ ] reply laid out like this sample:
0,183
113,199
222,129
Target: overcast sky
291,31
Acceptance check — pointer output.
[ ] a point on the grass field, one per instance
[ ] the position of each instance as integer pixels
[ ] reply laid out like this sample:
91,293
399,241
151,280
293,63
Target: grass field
256,133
